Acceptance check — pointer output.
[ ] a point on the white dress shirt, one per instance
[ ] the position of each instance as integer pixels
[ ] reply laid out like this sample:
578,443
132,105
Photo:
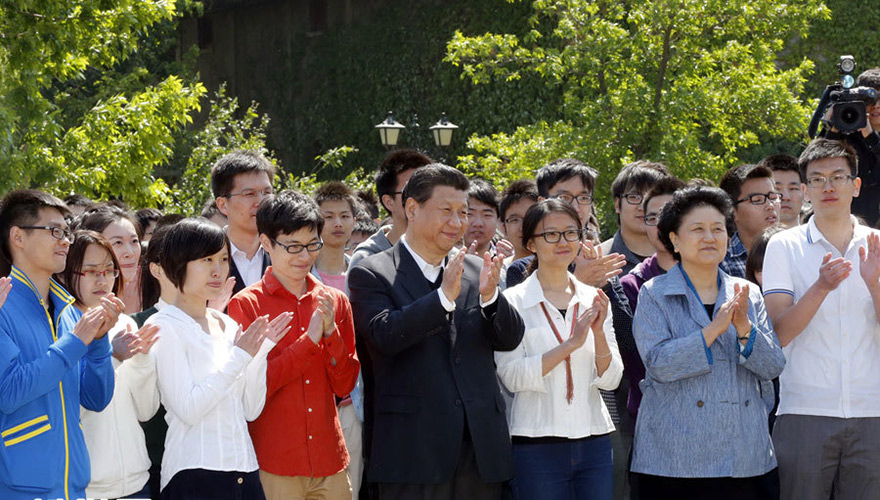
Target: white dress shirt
210,389
540,407
833,367
251,270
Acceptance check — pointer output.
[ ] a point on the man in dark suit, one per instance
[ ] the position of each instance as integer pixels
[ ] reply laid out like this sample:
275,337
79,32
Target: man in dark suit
431,322
240,180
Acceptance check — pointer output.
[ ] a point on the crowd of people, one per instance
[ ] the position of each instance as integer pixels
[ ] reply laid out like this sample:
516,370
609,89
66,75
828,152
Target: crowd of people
724,343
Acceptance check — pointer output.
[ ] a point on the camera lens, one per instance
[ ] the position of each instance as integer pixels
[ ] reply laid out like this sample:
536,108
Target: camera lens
849,115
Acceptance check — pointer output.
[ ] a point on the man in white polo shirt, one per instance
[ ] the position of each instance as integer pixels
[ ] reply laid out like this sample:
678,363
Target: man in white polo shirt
822,290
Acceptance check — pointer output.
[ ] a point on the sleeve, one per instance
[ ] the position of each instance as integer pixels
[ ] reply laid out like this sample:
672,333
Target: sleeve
502,324
137,376
445,302
340,346
519,369
253,398
776,273
766,360
611,378
667,359
181,394
22,382
96,377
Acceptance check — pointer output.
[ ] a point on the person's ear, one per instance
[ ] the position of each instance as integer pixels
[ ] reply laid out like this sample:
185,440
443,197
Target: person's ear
265,242
411,207
223,205
857,186
674,239
617,204
530,245
16,237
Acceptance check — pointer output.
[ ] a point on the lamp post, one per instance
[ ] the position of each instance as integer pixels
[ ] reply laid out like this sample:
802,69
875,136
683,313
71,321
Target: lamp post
389,131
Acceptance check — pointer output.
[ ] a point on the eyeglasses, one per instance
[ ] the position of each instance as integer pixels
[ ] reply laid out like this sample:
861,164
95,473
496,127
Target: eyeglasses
250,194
633,198
570,235
652,219
513,221
296,248
112,273
581,199
837,180
59,233
761,198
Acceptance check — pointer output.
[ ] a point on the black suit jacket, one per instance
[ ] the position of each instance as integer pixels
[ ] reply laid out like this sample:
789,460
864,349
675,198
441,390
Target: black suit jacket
239,281
422,385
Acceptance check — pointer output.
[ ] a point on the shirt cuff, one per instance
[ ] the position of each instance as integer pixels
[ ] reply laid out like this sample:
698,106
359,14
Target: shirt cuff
490,301
333,344
447,304
746,350
708,351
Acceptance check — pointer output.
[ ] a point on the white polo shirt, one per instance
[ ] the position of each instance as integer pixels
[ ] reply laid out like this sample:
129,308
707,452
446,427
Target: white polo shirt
833,367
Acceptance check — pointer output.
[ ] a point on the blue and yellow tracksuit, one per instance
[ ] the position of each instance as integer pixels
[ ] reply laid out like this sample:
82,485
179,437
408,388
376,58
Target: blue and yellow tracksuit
46,373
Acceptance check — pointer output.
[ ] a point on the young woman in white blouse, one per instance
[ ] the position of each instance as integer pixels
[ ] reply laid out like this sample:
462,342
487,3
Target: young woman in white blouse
559,424
117,450
212,376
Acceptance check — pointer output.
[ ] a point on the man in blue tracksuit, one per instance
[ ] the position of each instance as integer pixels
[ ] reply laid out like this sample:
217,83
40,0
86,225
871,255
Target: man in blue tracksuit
52,358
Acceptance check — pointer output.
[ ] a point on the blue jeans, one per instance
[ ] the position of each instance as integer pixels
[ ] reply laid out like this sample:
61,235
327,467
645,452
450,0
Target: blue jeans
572,470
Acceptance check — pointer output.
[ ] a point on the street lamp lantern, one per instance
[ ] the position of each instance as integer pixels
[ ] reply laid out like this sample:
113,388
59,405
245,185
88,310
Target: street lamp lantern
389,130
442,131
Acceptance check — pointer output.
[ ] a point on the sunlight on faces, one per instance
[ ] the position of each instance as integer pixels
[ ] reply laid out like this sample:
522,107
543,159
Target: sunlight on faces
559,254
655,205
205,276
91,288
291,267
831,200
392,201
37,249
439,223
338,222
753,219
126,245
702,237
874,116
513,224
632,216
574,187
482,223
241,210
789,184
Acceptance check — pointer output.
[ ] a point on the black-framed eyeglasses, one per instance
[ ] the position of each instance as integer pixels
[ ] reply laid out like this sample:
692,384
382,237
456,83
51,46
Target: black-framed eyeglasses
581,199
570,235
513,221
761,198
296,248
633,198
837,180
59,233
250,194
109,273
652,219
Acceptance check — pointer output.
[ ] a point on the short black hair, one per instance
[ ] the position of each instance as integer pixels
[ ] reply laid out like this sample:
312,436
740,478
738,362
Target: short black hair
484,192
364,224
145,216
819,149
393,165
150,288
190,239
561,170
733,180
682,203
22,208
536,213
423,181
755,258
101,216
288,212
639,175
337,191
523,189
369,203
665,186
781,162
869,78
76,253
78,200
238,162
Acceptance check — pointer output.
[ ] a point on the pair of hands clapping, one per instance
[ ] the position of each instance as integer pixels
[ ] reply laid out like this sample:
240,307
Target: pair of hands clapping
489,275
735,311
251,339
591,319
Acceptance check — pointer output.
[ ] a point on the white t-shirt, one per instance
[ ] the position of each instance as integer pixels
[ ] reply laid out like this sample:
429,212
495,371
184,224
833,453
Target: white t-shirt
833,367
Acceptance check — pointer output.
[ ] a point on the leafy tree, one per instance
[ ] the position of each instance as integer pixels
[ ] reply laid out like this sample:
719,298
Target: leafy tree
108,149
693,83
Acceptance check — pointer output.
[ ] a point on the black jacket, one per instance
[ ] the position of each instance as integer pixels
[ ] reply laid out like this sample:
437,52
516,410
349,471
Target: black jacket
867,204
422,386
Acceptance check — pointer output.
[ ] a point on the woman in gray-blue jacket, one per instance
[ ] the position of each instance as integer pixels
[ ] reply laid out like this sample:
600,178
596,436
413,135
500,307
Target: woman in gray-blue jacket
707,343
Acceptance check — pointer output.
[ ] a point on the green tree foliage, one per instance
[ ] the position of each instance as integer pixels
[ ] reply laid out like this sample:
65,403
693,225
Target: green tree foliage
108,148
693,83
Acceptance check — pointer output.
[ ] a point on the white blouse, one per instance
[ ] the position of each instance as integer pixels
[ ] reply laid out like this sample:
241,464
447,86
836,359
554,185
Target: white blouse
540,408
210,389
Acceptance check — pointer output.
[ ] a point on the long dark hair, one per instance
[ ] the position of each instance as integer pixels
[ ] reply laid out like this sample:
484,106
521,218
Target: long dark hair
76,253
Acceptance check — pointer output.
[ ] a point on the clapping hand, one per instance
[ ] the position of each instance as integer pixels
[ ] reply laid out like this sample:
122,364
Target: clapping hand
869,261
740,318
129,343
5,287
600,304
504,249
112,306
251,339
451,285
833,271
489,276
594,269
221,301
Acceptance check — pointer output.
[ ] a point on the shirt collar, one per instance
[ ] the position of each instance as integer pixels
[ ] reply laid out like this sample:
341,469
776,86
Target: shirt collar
533,294
237,252
422,264
814,235
274,287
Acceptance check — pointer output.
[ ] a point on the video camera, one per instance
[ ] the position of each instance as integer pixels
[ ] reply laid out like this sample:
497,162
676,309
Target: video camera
848,105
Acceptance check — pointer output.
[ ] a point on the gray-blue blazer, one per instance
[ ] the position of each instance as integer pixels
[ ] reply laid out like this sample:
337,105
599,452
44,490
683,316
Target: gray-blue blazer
699,419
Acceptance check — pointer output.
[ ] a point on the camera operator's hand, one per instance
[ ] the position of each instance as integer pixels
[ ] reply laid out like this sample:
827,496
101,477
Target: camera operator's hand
870,110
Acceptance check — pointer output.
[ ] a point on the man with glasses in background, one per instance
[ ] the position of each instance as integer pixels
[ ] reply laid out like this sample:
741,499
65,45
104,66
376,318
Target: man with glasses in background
755,208
240,180
298,438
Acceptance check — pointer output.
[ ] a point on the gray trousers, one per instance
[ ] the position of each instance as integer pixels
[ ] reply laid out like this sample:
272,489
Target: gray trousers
819,454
